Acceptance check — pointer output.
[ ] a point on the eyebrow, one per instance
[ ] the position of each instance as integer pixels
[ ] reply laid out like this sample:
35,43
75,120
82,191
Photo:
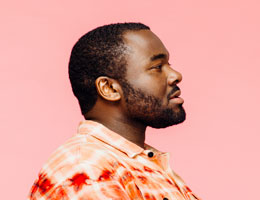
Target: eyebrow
158,56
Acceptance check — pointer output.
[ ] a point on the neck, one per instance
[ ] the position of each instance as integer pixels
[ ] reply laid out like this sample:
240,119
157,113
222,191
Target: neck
131,130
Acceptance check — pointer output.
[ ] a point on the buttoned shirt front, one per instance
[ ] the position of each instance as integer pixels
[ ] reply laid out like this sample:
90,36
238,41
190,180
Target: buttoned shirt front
97,163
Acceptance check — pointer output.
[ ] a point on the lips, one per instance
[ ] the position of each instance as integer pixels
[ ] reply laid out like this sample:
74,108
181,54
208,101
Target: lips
176,94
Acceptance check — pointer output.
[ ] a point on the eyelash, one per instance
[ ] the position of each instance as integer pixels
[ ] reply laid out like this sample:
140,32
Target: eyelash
159,66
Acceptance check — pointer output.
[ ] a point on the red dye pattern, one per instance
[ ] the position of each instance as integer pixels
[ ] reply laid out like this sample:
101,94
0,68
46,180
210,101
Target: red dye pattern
194,196
127,177
120,164
59,193
34,189
121,182
142,179
43,185
78,180
148,169
187,189
106,174
135,169
177,186
169,181
114,192
162,196
134,192
149,197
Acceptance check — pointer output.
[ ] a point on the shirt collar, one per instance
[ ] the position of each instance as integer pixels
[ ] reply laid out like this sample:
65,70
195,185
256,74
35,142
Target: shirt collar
108,136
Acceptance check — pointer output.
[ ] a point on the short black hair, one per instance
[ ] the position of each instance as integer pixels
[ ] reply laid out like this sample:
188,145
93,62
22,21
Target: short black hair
100,52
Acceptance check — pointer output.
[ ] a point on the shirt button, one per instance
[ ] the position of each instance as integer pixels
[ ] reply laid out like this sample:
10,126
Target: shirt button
165,198
150,154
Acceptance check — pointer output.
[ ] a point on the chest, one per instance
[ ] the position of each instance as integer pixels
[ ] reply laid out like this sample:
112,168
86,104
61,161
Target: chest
148,182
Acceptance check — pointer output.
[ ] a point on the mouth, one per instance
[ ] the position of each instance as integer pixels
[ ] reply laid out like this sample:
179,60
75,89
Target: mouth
176,94
175,98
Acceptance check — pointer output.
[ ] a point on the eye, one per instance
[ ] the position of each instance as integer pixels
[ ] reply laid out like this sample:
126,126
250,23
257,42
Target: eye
158,67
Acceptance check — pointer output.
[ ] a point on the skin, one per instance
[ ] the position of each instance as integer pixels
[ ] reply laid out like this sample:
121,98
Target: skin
155,80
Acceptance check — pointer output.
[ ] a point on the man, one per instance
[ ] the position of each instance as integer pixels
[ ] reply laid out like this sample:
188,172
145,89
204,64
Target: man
123,81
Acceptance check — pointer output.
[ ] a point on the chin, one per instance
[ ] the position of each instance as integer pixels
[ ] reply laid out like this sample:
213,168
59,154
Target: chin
165,125
168,118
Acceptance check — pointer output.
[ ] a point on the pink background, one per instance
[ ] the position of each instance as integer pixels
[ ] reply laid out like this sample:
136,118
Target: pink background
214,44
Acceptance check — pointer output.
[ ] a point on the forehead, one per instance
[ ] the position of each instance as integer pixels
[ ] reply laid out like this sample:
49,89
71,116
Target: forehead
143,44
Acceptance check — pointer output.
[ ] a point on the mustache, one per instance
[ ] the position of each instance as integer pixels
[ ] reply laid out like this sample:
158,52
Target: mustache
173,91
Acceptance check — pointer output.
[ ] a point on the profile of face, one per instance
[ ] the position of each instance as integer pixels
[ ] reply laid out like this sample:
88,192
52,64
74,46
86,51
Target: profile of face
150,83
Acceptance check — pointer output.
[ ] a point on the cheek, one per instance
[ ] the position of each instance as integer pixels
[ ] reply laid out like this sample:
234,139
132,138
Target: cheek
152,86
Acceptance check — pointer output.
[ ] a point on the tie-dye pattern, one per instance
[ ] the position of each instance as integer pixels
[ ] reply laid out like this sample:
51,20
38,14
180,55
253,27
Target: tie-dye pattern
97,163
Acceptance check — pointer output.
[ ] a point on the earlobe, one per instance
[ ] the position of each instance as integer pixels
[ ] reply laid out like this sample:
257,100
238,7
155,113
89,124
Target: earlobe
107,89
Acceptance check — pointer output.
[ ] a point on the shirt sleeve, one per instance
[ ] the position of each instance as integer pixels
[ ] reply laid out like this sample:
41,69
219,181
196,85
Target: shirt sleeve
77,186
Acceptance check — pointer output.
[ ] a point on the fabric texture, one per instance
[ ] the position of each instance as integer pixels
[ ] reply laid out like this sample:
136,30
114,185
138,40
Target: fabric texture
97,163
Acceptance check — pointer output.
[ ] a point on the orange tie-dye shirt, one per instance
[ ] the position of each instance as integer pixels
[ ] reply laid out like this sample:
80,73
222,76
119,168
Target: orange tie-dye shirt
97,163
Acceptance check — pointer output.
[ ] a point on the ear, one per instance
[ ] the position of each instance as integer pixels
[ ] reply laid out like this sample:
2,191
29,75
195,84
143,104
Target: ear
108,88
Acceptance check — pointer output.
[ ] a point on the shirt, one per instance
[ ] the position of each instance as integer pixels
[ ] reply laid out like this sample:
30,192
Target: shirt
97,163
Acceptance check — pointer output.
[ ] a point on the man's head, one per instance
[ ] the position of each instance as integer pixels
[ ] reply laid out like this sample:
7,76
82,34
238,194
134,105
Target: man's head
125,66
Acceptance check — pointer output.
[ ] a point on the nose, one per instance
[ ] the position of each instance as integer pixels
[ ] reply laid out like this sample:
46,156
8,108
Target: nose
174,77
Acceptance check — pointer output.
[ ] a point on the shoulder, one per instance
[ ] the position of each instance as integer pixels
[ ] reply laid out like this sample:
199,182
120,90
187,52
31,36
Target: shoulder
79,149
80,160
80,154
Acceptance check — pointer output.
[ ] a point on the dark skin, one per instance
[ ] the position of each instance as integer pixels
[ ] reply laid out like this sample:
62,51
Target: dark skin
153,76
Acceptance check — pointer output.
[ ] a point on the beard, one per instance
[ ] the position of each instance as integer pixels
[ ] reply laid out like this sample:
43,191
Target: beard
149,110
